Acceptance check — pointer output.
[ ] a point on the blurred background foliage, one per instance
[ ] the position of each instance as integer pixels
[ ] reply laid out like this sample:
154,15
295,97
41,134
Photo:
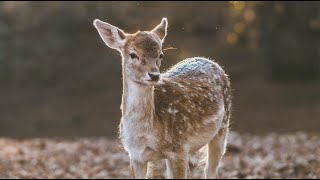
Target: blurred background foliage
57,78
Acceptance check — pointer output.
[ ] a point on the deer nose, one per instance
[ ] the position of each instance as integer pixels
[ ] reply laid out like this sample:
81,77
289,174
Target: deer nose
154,76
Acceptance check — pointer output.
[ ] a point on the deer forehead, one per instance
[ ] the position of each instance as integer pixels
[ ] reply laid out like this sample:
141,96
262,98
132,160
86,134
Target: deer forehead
146,44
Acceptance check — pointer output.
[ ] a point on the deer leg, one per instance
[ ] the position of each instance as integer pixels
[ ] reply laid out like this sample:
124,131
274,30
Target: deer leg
139,169
156,169
177,167
216,149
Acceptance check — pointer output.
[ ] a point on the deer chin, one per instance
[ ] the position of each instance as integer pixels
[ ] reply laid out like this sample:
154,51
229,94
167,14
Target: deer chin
147,82
151,82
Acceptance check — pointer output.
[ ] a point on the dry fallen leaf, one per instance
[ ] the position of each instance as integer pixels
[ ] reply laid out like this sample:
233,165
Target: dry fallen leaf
248,156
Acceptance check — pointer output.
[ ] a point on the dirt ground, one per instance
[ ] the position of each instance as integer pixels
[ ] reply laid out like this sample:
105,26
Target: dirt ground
295,155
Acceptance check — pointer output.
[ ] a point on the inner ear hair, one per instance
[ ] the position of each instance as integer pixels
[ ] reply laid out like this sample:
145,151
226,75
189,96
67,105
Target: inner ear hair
121,34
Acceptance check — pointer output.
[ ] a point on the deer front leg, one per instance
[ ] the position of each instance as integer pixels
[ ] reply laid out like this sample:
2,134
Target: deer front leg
139,169
156,169
177,167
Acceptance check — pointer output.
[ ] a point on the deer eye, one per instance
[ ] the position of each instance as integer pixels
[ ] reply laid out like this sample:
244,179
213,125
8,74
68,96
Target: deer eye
161,56
133,56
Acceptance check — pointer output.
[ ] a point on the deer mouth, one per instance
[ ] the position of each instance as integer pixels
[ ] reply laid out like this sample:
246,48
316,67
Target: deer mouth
152,82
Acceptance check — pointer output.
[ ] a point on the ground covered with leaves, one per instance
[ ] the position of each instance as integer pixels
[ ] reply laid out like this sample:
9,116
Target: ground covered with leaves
294,155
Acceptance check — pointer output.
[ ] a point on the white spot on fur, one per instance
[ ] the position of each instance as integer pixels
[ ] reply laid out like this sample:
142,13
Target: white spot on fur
170,155
172,111
184,117
180,85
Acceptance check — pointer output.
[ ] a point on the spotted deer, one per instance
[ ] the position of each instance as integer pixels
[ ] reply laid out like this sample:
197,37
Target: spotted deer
168,117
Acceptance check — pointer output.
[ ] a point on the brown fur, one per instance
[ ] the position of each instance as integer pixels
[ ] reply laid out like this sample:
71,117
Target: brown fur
191,105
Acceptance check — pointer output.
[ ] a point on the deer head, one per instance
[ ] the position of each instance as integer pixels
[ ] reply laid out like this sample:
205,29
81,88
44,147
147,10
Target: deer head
141,52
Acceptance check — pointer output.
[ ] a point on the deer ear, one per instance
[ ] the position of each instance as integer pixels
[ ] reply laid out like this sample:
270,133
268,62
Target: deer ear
111,35
161,29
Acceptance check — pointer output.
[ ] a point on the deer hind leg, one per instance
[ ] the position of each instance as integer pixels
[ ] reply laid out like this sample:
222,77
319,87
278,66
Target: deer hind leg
156,169
216,150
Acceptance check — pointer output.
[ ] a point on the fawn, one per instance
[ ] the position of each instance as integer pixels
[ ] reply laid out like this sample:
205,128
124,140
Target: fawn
168,117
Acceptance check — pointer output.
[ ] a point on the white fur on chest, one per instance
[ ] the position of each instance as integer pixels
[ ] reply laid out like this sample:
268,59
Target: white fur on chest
137,132
138,140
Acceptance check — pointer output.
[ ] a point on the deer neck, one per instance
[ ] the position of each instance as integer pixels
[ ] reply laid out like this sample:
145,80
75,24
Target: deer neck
137,102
